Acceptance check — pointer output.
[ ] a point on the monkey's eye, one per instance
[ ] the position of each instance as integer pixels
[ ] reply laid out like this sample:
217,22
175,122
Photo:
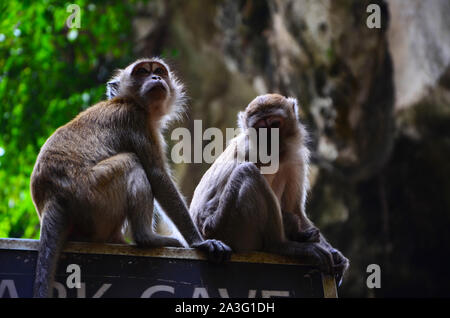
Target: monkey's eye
159,71
142,71
275,124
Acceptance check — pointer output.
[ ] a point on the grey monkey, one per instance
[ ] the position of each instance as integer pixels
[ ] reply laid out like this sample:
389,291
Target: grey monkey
104,168
236,203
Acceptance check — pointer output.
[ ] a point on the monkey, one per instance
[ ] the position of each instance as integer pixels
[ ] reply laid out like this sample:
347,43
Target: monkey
248,210
104,169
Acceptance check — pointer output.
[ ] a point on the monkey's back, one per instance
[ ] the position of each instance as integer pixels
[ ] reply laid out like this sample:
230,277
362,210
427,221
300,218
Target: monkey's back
205,199
64,160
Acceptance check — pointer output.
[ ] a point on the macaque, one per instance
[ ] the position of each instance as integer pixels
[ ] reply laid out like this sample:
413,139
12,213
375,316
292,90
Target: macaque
103,169
237,203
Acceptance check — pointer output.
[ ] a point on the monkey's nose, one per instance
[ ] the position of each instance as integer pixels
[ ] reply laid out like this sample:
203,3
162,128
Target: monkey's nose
155,77
274,122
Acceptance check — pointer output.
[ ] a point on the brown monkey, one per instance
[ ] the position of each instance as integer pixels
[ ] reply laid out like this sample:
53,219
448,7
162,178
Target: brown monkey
105,167
248,210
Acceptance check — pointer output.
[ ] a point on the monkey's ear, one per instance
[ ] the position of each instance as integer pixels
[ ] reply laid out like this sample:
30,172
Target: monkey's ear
295,106
112,88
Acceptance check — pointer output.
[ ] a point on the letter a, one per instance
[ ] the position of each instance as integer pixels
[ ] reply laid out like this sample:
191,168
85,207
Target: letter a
374,19
374,279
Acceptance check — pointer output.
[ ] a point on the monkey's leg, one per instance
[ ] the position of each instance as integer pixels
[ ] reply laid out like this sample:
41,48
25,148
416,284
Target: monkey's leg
124,187
248,217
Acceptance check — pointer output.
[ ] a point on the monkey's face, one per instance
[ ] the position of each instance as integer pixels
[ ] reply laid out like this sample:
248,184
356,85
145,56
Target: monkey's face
150,80
271,111
151,84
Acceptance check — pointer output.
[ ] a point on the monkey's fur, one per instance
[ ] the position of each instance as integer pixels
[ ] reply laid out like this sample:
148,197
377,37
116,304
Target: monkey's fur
248,210
104,168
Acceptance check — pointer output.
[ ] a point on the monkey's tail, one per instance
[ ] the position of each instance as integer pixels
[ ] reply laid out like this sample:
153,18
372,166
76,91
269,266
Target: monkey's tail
54,230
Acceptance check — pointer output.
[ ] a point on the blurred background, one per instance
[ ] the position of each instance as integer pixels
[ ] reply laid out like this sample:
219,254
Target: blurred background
376,102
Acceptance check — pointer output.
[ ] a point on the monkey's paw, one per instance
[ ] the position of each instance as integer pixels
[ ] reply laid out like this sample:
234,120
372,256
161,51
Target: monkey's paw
216,251
311,235
320,256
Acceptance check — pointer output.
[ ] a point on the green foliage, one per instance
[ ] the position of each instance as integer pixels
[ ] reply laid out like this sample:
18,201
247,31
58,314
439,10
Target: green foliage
48,73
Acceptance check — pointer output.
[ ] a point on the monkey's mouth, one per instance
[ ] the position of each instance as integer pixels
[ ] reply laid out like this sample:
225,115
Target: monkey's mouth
156,86
156,89
269,122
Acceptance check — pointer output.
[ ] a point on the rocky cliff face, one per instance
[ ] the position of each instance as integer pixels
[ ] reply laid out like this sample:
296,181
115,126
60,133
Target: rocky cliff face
376,102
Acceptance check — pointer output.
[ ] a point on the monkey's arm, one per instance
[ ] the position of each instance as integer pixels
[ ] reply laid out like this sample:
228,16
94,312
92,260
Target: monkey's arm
162,186
170,199
173,204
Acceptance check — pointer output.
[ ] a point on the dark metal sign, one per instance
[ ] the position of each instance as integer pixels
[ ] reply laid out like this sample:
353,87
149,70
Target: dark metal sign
125,271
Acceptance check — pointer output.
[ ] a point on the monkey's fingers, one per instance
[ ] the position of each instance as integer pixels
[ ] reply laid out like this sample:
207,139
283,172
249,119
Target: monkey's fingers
341,264
223,251
339,271
338,274
339,260
217,251
311,235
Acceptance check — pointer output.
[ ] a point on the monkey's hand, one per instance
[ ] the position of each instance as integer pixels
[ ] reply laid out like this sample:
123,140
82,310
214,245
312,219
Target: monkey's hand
341,264
216,251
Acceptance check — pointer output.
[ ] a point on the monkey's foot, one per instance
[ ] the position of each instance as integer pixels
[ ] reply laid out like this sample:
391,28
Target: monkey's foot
217,252
341,264
320,256
311,235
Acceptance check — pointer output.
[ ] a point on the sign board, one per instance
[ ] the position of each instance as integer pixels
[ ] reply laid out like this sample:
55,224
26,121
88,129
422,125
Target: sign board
127,271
